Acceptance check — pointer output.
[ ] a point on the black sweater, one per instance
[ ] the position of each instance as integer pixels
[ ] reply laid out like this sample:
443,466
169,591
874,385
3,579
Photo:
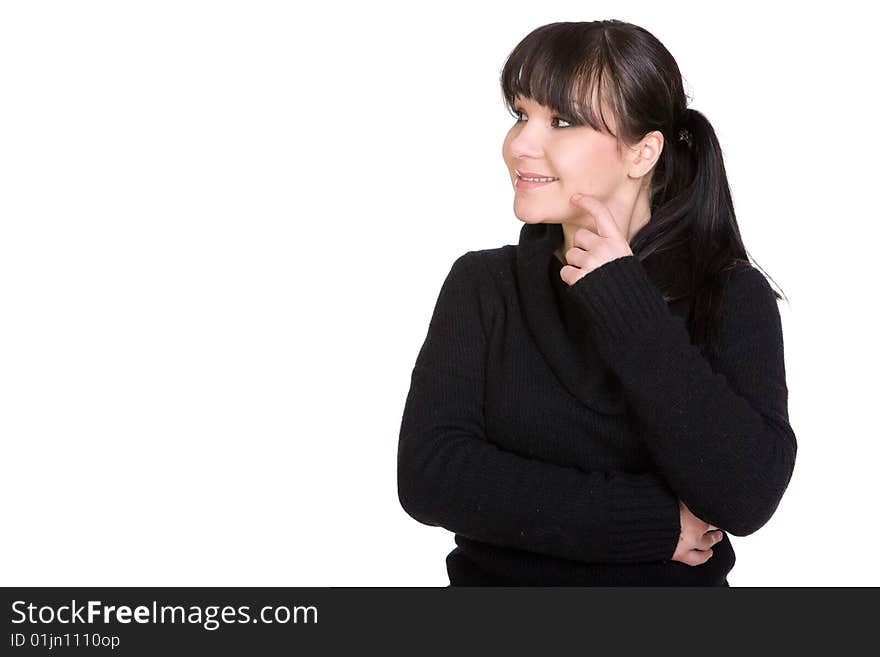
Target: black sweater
553,428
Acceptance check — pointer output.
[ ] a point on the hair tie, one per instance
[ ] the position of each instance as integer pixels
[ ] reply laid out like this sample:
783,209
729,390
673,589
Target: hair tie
684,134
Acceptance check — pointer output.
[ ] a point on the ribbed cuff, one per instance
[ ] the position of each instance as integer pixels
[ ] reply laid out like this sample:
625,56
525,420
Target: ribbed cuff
645,518
622,301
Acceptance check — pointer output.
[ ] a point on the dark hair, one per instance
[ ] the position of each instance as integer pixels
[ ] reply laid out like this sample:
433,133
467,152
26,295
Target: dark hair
582,71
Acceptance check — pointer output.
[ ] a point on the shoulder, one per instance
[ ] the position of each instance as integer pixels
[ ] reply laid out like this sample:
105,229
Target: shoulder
748,306
469,296
480,279
497,263
745,283
491,258
490,268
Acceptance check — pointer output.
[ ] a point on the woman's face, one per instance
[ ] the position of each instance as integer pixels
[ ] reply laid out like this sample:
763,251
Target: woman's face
583,159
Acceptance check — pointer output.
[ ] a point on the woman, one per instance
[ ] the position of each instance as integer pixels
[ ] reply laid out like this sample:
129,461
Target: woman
598,404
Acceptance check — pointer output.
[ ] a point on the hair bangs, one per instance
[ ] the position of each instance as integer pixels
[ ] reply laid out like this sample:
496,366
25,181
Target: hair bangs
571,78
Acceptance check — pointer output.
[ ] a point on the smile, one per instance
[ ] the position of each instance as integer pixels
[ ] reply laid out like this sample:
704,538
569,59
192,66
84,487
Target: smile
525,183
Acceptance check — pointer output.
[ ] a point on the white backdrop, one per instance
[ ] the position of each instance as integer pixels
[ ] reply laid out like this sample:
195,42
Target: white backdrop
224,225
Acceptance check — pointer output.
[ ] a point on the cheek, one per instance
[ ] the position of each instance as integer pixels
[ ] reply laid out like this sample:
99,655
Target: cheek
588,173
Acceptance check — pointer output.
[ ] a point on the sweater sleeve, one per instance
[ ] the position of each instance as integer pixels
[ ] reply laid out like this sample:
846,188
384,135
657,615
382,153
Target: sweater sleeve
718,432
451,475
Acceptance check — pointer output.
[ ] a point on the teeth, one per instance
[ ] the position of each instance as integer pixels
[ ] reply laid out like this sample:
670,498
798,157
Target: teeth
538,179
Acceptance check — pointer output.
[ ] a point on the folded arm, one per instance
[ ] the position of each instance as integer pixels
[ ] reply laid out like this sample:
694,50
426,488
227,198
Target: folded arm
718,432
450,475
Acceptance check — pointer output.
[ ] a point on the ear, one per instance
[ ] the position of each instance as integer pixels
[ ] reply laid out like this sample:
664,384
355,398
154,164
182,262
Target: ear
644,156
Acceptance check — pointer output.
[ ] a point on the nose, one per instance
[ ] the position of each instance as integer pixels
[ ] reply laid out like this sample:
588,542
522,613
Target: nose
526,144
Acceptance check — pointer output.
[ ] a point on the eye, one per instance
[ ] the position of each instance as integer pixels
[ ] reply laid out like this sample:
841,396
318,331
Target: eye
518,114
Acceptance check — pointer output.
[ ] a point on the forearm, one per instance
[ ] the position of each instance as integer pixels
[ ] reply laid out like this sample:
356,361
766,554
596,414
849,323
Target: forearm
449,475
720,438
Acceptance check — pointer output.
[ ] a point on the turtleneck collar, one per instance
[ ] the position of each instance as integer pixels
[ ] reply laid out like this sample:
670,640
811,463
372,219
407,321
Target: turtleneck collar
577,366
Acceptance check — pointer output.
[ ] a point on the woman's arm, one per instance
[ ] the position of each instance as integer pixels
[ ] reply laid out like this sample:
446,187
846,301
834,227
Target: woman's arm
718,433
450,475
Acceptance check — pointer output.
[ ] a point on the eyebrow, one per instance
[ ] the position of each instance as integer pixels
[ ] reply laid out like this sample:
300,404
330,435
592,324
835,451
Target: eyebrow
550,110
521,102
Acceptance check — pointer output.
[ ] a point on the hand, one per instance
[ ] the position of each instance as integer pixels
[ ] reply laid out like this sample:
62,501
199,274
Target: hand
696,539
592,250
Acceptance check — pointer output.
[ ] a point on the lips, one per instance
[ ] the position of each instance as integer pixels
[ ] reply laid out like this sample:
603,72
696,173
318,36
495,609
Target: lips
531,174
522,183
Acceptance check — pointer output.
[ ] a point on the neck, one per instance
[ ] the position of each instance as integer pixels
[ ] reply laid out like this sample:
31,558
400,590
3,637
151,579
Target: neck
630,218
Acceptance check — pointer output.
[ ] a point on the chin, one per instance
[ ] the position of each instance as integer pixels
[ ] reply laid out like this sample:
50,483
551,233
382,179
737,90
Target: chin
532,217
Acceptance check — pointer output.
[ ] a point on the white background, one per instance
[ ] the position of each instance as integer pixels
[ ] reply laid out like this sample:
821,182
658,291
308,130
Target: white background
224,225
